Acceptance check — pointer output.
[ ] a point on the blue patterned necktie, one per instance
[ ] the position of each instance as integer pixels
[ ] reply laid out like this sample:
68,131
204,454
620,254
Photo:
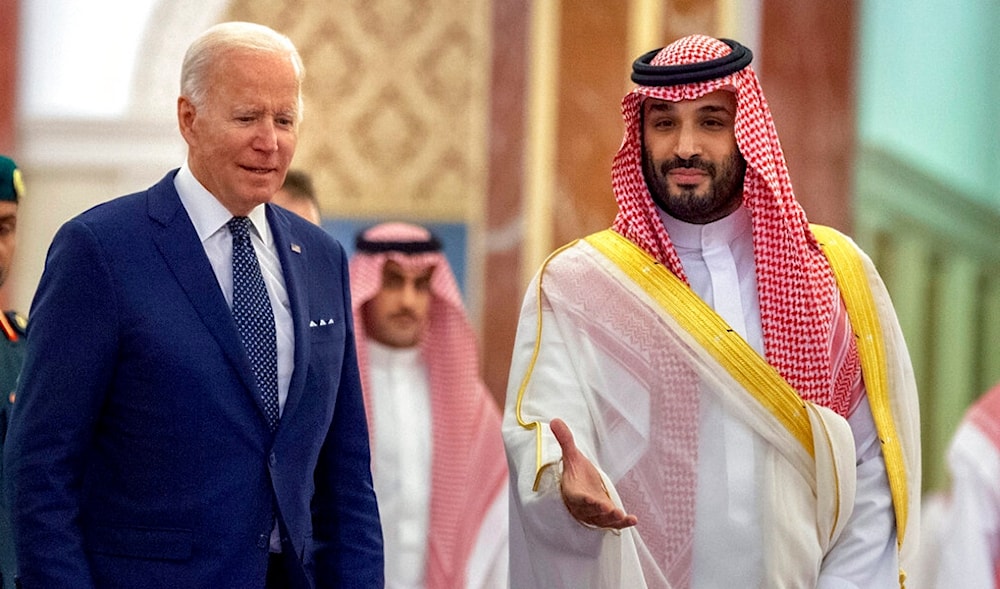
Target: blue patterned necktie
254,317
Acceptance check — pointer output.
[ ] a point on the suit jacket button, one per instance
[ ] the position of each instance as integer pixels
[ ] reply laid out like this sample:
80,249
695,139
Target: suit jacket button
264,541
272,460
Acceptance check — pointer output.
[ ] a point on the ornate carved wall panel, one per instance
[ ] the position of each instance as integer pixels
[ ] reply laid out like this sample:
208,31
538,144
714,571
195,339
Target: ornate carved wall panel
396,103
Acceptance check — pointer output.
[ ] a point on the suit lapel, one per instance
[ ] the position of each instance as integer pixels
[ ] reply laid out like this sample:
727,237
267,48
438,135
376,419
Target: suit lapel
293,267
175,237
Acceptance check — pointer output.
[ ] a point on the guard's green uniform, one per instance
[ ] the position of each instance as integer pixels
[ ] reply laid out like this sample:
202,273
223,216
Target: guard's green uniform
12,350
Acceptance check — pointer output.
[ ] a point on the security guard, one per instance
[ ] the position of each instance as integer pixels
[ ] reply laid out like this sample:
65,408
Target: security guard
12,332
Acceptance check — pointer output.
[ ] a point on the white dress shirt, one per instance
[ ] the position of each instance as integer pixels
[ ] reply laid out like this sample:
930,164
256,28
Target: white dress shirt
209,218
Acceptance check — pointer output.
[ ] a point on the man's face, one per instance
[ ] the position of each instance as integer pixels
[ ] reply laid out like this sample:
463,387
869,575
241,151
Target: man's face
398,314
8,237
241,140
692,165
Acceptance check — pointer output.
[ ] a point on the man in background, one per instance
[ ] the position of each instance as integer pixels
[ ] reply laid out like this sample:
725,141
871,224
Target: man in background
298,195
965,543
437,455
190,412
11,346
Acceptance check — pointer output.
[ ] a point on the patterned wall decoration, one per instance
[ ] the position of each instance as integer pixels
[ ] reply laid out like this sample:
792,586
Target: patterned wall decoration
396,105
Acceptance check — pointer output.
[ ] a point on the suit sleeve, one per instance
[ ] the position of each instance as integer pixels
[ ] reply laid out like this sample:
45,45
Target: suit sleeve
347,531
72,344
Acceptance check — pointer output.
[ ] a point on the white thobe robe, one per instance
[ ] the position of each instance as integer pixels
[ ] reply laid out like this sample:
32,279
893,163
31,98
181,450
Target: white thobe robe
719,264
968,535
401,472
746,521
401,460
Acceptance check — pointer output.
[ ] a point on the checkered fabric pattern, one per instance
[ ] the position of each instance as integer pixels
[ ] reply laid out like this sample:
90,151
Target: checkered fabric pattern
798,294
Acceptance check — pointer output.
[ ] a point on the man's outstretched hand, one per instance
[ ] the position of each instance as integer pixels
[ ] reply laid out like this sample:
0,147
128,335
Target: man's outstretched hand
583,491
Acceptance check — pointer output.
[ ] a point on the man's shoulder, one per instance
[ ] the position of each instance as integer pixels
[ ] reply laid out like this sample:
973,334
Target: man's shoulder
574,263
301,229
576,251
134,203
841,251
828,236
596,249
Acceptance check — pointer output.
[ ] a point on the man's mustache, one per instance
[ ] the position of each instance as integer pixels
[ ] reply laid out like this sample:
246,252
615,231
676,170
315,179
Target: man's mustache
695,163
405,314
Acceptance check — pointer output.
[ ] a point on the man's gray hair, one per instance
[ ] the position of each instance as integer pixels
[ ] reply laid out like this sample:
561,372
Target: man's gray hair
229,36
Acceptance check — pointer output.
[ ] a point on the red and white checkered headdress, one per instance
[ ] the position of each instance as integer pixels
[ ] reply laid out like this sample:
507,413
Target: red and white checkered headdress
796,286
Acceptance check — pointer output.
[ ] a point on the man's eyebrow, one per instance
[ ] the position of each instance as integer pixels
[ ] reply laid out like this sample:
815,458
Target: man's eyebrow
669,106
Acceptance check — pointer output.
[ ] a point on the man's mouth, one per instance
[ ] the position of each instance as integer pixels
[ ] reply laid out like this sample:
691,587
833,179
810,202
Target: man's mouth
687,176
254,170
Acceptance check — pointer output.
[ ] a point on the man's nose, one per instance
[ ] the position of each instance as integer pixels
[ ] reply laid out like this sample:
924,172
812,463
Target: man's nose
408,294
266,138
688,142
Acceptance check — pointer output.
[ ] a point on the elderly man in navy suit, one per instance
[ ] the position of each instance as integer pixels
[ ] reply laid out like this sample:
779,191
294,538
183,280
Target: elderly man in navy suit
191,413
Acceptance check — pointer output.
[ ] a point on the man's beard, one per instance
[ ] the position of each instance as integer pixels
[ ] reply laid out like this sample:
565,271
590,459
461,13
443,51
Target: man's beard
724,193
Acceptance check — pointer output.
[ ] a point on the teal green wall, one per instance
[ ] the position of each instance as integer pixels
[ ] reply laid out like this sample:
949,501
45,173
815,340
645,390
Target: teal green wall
929,88
927,195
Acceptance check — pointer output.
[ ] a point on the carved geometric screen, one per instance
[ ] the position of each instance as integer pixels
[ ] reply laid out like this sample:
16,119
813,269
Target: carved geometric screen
396,104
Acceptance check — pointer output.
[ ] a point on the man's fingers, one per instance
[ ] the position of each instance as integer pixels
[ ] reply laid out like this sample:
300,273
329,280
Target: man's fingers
564,436
615,519
583,491
604,516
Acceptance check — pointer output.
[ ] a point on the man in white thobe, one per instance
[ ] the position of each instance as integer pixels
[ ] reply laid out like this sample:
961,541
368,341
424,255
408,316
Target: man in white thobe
438,463
689,405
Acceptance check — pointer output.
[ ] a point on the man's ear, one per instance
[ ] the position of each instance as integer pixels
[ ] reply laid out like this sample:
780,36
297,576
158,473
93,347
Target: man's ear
186,113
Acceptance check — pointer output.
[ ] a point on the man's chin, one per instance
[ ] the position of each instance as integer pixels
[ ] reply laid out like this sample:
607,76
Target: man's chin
404,343
688,192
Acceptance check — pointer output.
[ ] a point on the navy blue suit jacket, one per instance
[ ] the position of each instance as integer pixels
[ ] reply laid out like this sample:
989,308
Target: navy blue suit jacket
139,455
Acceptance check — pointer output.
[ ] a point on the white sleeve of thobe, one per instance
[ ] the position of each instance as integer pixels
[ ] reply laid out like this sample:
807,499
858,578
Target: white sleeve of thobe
542,510
549,549
865,555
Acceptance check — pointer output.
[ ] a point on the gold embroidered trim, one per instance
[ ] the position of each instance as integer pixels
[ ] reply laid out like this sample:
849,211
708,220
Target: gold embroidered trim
860,303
